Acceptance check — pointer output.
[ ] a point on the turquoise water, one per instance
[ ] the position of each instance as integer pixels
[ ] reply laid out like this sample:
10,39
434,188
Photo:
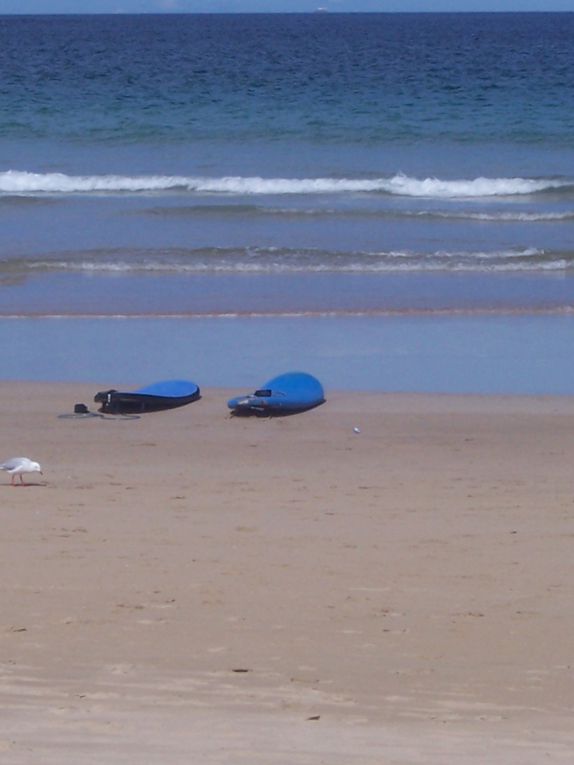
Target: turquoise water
287,166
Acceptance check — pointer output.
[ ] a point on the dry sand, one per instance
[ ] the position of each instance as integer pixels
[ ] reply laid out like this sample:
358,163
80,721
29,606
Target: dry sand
190,588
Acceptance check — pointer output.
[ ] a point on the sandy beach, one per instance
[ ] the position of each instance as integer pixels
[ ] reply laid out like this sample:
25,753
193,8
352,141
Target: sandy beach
190,588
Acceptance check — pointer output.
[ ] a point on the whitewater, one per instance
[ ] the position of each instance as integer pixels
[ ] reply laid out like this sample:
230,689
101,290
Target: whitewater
22,182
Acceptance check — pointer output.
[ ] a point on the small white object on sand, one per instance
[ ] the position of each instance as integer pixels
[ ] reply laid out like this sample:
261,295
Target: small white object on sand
356,430
20,465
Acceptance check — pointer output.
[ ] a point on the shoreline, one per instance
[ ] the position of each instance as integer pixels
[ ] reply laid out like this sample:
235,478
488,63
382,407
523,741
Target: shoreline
187,584
470,313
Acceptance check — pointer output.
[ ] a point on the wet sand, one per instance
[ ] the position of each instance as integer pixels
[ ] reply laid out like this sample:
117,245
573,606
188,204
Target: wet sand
187,587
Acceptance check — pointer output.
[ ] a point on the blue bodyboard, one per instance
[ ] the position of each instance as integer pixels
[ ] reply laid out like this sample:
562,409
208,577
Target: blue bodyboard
167,394
288,393
170,389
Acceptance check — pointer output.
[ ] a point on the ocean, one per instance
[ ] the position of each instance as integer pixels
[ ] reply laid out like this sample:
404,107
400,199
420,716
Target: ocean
383,199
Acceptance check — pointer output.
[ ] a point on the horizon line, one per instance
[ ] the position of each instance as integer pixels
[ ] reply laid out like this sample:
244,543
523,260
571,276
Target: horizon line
317,12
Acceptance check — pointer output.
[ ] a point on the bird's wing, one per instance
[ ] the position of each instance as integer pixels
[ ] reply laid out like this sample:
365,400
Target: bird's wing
13,463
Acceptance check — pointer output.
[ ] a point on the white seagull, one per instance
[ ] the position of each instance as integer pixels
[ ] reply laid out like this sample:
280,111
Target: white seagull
18,466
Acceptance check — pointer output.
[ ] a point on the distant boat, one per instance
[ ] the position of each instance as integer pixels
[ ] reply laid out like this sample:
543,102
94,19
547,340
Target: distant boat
288,393
168,394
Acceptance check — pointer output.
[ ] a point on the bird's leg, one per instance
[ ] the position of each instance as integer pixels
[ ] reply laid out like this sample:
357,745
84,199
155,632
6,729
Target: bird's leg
12,477
21,478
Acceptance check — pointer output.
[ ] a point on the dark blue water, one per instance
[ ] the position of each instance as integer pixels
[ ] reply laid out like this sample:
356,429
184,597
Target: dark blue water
321,164
364,79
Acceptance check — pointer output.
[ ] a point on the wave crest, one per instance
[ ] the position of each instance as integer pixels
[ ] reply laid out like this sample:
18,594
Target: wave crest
15,182
285,260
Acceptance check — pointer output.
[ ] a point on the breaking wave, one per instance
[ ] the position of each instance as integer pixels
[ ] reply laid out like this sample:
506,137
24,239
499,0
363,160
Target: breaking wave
252,211
15,182
285,260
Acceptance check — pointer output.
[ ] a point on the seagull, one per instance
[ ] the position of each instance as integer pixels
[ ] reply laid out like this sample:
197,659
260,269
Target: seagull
18,466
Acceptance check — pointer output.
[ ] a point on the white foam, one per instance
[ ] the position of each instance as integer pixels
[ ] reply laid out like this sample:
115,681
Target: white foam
21,182
500,217
17,182
274,260
477,187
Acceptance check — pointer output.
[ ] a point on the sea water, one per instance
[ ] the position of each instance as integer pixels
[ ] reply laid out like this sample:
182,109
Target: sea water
176,186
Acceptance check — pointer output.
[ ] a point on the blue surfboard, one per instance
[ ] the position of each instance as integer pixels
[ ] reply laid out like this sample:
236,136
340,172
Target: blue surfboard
167,394
288,393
